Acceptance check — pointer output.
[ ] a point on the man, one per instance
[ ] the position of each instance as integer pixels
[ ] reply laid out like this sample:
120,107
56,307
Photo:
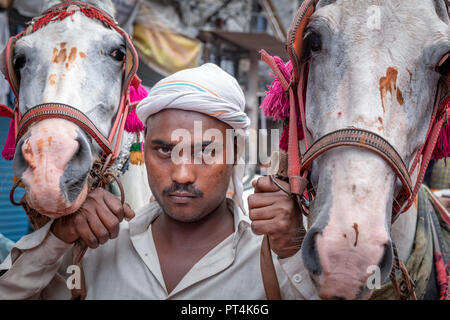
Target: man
193,242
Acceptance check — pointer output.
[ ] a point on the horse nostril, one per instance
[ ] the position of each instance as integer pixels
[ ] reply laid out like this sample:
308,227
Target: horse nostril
76,171
386,261
19,162
310,254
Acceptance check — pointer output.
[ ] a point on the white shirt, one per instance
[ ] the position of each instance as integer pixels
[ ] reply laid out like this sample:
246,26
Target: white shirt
128,268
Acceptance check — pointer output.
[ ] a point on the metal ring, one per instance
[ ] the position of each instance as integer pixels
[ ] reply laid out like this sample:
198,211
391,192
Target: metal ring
11,193
119,184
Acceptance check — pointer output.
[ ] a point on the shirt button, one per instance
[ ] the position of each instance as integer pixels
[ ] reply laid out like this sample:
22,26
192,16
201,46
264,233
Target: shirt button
297,278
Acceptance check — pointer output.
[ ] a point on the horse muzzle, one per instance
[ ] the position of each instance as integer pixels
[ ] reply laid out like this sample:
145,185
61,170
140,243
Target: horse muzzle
54,159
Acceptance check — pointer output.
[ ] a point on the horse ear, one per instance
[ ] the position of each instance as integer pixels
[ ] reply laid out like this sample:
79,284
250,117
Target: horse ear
442,7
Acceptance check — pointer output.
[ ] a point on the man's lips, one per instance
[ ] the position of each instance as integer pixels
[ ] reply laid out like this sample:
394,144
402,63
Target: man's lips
183,194
182,197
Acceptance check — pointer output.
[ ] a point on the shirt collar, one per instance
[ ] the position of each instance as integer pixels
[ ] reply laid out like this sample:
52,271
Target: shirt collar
148,213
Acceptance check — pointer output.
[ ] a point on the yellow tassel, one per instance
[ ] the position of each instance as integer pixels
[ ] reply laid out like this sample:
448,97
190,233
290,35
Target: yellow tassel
137,158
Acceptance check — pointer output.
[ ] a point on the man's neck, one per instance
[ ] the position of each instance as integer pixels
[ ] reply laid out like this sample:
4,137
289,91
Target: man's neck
180,245
214,225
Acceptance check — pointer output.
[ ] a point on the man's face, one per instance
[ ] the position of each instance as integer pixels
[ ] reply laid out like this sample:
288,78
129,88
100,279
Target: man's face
188,188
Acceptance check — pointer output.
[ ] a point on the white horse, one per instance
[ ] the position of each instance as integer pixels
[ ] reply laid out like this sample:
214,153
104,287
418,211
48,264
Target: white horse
372,67
75,61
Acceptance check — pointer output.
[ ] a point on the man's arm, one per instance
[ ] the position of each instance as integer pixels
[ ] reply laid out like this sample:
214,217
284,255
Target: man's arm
36,258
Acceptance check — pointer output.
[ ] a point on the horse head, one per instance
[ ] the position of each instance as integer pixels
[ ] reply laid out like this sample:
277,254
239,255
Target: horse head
67,57
373,66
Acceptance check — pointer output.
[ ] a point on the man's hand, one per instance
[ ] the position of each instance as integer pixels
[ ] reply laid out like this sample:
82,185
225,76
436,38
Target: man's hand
275,213
95,222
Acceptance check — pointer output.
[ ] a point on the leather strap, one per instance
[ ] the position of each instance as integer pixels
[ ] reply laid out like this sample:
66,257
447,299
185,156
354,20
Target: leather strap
363,139
269,276
62,111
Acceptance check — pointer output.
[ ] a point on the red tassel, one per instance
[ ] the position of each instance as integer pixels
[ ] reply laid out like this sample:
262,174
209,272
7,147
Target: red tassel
442,148
284,138
441,276
10,145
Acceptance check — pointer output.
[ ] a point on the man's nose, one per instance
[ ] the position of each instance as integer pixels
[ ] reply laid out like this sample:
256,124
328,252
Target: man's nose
183,173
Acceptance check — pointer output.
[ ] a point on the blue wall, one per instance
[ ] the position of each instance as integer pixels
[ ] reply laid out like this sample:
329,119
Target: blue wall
13,220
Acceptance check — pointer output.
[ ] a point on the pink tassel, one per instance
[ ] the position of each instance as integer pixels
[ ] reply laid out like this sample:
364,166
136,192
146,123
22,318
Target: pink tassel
276,103
10,145
284,138
133,124
137,94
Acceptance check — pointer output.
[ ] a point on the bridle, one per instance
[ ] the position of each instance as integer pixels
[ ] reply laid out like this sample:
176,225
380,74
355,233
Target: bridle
299,165
110,144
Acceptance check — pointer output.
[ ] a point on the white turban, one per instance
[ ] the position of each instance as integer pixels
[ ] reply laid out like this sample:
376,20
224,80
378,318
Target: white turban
206,89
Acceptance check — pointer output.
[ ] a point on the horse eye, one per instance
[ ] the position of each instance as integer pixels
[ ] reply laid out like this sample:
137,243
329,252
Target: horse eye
117,54
19,62
314,41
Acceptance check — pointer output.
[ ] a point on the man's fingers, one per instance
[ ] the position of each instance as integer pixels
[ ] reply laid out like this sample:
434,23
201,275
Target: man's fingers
83,229
261,227
265,184
261,214
261,200
113,203
110,221
129,213
98,229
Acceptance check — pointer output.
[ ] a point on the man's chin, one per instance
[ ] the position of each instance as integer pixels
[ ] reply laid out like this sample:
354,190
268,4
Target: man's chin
185,214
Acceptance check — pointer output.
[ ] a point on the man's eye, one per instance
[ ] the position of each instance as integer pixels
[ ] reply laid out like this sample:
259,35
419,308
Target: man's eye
164,151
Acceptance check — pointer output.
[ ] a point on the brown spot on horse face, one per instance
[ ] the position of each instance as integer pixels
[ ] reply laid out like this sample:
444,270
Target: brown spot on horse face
73,54
40,145
72,57
400,97
27,151
52,79
49,139
355,226
59,56
388,84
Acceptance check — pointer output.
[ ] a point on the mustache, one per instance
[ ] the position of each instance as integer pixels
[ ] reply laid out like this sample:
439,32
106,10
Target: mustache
179,187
